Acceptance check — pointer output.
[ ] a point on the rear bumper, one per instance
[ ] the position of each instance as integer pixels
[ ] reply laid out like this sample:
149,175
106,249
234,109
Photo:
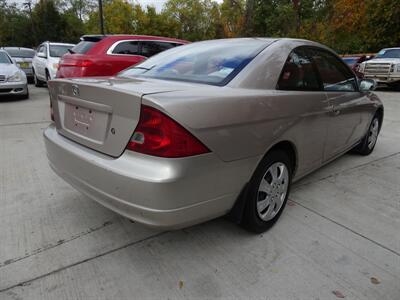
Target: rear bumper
164,193
13,88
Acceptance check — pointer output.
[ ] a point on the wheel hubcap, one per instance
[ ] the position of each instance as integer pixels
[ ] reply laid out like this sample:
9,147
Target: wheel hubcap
272,191
373,133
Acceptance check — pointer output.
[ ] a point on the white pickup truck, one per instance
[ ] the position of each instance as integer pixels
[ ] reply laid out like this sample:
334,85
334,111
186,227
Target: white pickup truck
384,67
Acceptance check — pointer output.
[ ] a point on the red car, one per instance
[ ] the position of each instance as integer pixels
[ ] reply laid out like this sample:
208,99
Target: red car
354,62
106,55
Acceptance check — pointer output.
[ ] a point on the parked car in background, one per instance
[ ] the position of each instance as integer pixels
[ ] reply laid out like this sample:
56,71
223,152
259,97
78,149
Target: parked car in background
384,67
209,128
13,80
106,55
23,57
354,62
45,62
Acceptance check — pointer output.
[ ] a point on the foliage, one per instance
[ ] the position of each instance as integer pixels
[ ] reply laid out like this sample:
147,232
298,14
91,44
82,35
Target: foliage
344,25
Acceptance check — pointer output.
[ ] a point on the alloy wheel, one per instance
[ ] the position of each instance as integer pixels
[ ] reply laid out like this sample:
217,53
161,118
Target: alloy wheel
272,191
373,133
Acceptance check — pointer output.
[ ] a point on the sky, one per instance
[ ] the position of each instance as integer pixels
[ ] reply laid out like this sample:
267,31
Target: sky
157,3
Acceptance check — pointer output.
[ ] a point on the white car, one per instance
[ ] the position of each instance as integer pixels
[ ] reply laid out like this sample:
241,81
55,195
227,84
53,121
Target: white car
383,68
45,62
12,79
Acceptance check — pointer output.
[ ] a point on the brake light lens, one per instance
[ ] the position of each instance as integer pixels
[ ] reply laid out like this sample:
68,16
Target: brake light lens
158,135
76,63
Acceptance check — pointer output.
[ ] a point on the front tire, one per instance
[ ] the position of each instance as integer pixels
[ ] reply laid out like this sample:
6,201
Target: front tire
268,192
26,96
368,142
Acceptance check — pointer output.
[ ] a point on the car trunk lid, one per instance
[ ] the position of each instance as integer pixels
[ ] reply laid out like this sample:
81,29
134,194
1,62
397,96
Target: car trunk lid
101,113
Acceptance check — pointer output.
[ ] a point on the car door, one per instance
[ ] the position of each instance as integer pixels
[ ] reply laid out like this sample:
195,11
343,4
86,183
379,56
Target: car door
41,62
303,90
340,85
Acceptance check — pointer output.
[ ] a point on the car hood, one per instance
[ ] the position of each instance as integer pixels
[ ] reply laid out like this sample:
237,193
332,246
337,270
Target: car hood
8,69
384,60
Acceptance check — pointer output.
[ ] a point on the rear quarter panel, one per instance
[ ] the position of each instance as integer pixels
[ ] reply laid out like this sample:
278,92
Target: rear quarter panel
241,123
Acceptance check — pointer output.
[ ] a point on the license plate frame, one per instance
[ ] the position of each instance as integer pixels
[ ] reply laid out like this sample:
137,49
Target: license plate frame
24,65
86,122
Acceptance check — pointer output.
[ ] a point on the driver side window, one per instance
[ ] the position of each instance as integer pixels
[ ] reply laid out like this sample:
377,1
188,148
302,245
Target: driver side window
335,76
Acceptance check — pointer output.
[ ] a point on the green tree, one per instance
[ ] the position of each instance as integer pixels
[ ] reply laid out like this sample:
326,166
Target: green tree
382,24
232,17
193,19
48,22
118,18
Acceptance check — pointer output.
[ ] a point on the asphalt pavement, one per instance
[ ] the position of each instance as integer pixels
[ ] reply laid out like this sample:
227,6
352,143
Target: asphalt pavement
339,236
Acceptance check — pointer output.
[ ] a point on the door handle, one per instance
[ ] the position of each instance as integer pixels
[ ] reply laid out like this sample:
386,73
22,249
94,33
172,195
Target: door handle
335,111
332,110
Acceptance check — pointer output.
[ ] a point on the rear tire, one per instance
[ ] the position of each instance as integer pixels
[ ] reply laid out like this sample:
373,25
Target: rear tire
267,192
368,142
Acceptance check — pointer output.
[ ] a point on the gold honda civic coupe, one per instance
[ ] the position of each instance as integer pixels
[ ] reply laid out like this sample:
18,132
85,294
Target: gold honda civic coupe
210,128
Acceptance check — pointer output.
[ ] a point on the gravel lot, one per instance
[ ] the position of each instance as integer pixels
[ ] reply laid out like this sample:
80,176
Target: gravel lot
338,237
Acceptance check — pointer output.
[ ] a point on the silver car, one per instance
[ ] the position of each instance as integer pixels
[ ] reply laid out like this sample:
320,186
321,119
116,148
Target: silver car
23,57
13,80
210,128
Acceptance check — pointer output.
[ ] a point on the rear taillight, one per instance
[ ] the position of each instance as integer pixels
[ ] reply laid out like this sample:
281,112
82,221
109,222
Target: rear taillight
76,63
157,134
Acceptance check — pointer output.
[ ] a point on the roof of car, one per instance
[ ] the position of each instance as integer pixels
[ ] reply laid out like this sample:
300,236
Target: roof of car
59,44
116,37
16,48
393,48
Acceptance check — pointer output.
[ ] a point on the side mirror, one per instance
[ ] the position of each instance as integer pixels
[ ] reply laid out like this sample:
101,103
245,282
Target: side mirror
42,55
367,85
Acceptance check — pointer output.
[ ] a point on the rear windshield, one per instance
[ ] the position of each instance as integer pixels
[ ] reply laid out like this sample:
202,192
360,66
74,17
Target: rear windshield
389,53
4,59
25,53
213,62
83,47
58,50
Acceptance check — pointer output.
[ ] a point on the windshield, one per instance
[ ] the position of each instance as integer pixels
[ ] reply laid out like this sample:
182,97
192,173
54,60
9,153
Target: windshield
25,53
4,59
58,50
388,53
210,62
83,47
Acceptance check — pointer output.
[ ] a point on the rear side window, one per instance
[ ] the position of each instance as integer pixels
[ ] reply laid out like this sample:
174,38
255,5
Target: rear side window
127,48
150,48
334,74
83,47
298,73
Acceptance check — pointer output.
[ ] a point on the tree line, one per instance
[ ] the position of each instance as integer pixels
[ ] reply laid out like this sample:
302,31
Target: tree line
348,26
